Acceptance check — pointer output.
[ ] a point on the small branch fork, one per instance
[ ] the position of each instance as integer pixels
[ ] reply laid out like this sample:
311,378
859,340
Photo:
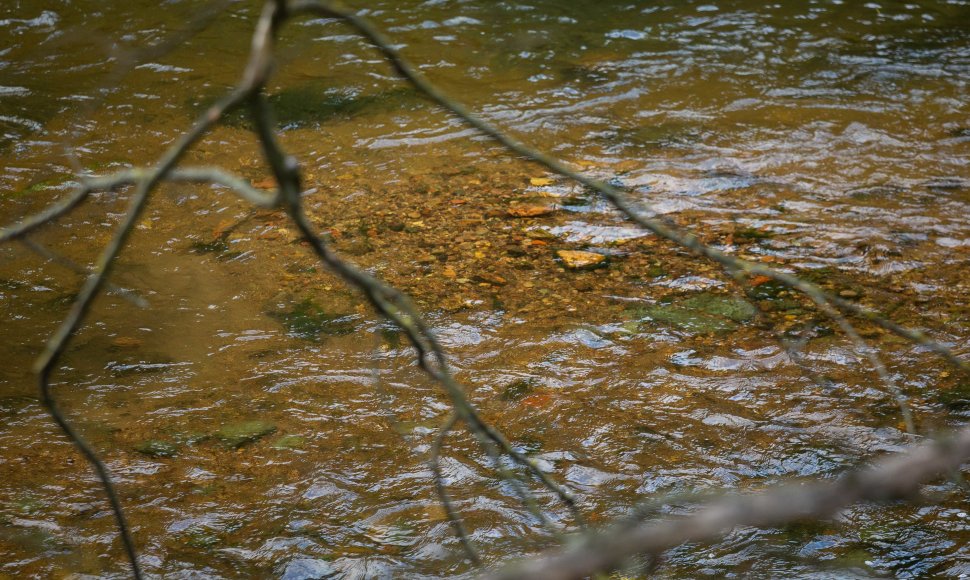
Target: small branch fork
896,478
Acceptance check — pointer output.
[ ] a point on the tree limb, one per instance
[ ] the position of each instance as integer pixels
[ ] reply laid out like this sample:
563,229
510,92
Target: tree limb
894,478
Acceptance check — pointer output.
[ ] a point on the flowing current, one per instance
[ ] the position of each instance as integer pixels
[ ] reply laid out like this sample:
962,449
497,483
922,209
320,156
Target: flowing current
261,421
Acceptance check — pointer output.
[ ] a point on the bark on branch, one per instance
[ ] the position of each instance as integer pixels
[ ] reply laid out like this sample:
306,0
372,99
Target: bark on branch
894,478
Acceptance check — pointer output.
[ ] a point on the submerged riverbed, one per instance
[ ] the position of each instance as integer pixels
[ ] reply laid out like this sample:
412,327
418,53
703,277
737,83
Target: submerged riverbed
261,421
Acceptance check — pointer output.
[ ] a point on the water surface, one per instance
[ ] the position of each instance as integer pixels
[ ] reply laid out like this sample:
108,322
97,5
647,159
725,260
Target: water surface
261,422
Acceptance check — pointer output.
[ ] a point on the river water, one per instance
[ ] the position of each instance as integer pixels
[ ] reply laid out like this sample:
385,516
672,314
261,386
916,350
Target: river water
260,421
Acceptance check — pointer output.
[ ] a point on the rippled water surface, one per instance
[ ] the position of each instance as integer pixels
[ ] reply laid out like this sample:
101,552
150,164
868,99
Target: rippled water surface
260,421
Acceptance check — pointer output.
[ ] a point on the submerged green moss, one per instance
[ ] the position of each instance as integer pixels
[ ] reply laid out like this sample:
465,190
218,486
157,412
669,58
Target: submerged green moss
310,321
157,448
955,398
704,313
239,434
42,185
216,246
289,442
517,389
751,235
315,103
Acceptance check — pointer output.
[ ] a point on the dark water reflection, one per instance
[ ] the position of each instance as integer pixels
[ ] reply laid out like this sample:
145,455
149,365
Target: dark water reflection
829,137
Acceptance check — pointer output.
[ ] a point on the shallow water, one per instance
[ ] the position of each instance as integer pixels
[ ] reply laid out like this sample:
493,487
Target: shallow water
261,422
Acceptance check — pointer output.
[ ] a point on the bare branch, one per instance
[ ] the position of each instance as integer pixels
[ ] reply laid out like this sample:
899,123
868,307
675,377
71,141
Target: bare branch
37,220
397,307
256,72
55,347
894,478
439,482
120,179
614,196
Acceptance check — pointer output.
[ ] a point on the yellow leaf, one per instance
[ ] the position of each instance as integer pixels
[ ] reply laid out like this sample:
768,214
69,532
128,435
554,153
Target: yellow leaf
540,180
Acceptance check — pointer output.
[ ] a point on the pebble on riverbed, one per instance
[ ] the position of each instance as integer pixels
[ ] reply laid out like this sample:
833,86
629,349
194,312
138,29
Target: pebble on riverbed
580,260
530,210
126,342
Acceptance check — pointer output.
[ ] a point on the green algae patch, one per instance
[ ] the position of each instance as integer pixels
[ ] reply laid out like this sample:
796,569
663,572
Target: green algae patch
516,390
201,540
750,235
705,313
735,309
239,434
217,246
956,398
310,321
289,442
157,448
54,182
314,103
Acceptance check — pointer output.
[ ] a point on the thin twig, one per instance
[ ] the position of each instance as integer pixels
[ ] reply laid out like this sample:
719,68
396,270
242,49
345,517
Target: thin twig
875,360
858,342
44,252
214,175
439,483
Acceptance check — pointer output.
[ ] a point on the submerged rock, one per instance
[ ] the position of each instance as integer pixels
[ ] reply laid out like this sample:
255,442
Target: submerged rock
289,442
530,210
703,313
308,569
126,342
310,321
316,102
490,278
239,434
517,390
579,260
141,367
956,398
730,307
15,404
156,448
